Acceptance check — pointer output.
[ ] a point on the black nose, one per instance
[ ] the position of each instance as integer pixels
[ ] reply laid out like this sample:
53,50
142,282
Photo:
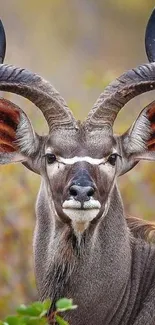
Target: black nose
81,193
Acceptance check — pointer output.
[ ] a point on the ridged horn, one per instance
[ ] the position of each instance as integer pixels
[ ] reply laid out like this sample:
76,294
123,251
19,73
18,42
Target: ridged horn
38,91
2,42
129,85
150,38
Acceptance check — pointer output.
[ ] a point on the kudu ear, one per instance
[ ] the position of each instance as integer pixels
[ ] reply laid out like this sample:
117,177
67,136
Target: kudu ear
138,143
18,141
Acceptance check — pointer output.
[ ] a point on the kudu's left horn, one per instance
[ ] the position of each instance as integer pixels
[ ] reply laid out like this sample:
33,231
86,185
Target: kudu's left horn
150,38
131,84
2,42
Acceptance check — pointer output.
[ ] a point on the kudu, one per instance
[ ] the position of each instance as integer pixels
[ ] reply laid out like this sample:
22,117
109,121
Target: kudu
84,246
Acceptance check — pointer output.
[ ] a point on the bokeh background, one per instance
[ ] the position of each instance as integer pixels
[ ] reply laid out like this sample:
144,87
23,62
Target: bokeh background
80,46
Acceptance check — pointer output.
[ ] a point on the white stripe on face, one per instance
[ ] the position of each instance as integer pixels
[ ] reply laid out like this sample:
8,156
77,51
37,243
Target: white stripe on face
90,160
73,160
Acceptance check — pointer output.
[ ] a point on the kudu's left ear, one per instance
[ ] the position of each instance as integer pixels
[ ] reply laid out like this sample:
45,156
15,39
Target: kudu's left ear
139,141
18,141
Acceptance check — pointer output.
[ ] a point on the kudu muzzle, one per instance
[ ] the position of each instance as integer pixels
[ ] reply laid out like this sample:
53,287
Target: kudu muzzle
80,203
82,187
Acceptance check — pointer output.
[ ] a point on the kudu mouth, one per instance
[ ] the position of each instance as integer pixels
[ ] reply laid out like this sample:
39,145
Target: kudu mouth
81,215
87,205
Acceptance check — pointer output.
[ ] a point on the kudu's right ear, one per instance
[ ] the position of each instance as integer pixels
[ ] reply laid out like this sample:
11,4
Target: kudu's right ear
18,141
138,143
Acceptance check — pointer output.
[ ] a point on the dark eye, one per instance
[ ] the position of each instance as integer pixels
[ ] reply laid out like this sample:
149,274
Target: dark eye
51,158
112,159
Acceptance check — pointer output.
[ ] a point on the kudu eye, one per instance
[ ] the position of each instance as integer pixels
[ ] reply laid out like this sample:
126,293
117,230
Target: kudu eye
112,159
50,158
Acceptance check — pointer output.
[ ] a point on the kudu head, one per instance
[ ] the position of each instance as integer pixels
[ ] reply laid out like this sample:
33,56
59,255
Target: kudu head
79,161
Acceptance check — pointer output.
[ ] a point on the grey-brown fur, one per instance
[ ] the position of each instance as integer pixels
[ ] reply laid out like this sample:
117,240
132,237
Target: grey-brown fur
85,247
107,285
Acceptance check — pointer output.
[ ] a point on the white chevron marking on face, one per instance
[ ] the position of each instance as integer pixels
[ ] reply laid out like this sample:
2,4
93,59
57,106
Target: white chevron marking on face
90,160
73,160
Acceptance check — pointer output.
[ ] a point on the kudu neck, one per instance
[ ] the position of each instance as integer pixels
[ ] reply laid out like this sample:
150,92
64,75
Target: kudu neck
113,223
109,238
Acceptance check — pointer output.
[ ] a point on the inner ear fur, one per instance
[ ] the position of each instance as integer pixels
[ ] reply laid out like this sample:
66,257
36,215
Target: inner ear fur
139,141
151,118
140,138
18,141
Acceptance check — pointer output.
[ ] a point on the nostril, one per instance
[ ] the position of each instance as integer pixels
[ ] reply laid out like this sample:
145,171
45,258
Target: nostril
81,193
73,191
90,192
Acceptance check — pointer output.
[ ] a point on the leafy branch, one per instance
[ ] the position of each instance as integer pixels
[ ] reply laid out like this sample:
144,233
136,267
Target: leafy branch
35,313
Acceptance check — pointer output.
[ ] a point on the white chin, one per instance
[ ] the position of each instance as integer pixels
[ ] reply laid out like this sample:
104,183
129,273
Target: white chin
81,217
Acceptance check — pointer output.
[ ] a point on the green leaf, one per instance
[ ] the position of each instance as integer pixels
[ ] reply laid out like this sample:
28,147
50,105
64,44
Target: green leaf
30,320
12,320
22,309
64,304
24,320
60,320
32,310
37,307
46,304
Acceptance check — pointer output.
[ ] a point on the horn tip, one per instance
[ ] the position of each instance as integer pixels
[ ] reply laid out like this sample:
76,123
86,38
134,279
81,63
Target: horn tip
150,37
2,42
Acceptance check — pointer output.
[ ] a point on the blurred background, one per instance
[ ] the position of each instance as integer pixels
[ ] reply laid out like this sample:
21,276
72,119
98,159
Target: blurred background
80,46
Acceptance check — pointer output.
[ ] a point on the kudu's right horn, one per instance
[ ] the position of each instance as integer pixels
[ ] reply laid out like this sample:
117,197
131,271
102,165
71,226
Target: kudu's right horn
36,89
2,42
150,38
